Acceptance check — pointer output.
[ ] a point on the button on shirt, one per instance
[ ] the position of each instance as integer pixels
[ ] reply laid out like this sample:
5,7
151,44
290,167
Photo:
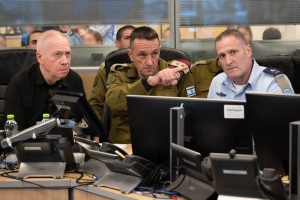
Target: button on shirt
28,96
222,87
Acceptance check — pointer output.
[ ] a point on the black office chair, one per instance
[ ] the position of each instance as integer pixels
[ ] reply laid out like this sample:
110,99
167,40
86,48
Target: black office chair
12,61
121,56
284,63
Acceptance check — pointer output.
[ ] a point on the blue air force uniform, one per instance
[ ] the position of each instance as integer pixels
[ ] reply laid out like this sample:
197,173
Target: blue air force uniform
262,79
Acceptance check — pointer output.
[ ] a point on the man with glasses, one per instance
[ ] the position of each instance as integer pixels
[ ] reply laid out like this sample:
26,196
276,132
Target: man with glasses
28,92
148,74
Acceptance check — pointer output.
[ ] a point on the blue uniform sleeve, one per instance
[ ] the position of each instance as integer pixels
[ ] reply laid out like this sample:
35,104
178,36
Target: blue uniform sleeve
212,90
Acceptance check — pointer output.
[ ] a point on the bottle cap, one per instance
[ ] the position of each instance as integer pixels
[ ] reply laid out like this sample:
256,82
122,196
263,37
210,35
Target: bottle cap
46,115
10,116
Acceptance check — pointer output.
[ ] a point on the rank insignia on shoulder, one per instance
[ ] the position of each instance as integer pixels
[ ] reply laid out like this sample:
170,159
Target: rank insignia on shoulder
288,91
221,94
116,66
191,91
272,71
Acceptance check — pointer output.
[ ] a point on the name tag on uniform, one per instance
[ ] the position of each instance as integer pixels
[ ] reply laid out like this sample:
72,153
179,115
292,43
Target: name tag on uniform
191,91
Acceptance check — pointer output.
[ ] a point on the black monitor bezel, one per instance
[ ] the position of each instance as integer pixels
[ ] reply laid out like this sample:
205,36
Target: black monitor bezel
269,116
149,125
80,108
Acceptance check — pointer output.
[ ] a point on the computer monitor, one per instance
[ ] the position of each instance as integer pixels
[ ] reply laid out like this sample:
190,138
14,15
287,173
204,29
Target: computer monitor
90,56
269,116
206,128
75,106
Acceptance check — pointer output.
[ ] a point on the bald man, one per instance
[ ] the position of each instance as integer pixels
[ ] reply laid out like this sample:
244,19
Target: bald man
27,95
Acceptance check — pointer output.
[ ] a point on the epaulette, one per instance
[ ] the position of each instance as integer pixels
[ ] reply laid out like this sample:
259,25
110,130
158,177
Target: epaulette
200,62
283,82
273,71
117,66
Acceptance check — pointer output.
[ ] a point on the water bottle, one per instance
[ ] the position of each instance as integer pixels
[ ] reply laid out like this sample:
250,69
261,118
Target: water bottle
46,117
10,126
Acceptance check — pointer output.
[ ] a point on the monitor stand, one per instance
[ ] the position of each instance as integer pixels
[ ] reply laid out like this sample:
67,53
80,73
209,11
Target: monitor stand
123,182
42,169
176,136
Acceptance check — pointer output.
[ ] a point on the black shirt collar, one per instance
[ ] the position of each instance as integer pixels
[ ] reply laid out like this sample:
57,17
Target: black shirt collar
40,80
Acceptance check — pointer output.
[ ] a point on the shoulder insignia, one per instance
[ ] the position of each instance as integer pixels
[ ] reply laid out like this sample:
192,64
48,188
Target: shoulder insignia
180,63
273,71
283,82
116,66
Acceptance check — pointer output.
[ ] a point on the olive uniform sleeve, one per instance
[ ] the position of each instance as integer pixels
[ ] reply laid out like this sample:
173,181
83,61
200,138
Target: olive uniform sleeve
203,73
97,97
118,86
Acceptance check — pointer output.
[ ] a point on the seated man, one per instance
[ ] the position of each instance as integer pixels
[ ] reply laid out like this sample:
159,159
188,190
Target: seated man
27,95
146,75
205,70
241,72
97,99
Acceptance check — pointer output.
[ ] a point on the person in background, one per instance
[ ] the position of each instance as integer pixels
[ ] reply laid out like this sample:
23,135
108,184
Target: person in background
271,34
148,74
241,72
246,32
97,98
33,37
107,31
72,34
91,38
123,37
2,41
29,91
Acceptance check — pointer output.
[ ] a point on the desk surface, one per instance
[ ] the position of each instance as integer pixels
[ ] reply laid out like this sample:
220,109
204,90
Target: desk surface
40,187
16,189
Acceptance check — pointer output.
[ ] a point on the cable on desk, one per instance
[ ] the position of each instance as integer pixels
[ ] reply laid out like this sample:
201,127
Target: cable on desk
8,175
80,178
158,176
154,193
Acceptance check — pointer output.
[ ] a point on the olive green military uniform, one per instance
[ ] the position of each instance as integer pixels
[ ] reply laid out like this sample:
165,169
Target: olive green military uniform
203,72
125,80
97,98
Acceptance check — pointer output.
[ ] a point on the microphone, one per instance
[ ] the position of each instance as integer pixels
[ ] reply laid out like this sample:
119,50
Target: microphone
31,132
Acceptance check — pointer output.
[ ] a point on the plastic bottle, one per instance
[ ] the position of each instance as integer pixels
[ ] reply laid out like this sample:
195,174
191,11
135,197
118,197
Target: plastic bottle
46,116
11,126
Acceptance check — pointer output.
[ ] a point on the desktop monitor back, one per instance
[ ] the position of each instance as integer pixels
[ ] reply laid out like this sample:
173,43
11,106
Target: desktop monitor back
269,116
206,129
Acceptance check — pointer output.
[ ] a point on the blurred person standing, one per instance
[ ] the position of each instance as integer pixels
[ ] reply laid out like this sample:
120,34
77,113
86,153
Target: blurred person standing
91,38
